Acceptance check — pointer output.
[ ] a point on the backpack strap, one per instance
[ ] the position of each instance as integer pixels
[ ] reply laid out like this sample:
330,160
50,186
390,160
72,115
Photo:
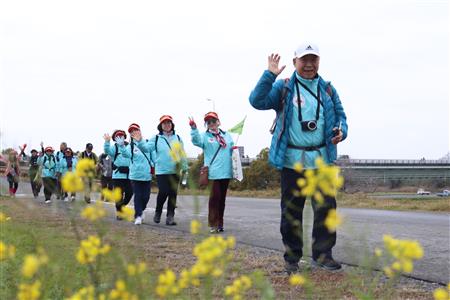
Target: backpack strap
283,101
117,153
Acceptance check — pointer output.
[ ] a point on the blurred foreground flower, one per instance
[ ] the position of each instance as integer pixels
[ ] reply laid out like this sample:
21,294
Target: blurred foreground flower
29,291
333,220
120,292
297,279
72,183
114,195
4,217
177,153
195,226
85,168
94,212
90,249
6,251
137,269
238,288
403,252
126,213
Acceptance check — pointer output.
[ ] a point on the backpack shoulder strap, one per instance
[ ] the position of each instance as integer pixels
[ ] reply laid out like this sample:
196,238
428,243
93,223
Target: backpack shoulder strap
156,142
117,152
284,93
329,89
179,139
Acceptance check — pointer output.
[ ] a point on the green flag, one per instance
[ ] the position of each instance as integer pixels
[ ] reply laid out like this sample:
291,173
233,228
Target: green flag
238,127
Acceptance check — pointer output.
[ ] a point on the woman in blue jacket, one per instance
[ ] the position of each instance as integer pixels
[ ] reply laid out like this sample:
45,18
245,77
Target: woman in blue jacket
166,169
120,166
47,161
67,163
140,176
217,147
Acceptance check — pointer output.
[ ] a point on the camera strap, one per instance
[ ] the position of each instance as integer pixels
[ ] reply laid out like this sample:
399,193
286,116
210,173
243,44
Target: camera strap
317,97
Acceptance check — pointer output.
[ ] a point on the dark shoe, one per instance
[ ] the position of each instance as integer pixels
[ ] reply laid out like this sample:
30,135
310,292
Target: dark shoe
220,229
119,218
170,221
327,263
157,217
291,267
88,200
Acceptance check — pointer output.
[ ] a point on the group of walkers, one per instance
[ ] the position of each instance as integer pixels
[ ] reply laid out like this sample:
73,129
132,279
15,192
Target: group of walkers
310,122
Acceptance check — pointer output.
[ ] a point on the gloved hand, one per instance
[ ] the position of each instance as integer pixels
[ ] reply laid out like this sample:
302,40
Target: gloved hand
234,147
192,123
120,140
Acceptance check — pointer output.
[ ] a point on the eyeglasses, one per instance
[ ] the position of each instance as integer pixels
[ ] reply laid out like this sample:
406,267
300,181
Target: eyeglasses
211,121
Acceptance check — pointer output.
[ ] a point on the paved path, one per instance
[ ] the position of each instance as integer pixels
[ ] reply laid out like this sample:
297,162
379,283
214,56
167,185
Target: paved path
256,222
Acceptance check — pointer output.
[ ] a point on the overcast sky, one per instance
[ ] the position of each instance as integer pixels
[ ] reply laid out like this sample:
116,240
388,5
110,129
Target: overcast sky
73,70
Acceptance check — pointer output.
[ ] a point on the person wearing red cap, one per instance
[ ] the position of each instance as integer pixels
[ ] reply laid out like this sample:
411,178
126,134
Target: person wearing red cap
49,166
140,176
66,164
120,167
217,148
12,172
167,170
310,122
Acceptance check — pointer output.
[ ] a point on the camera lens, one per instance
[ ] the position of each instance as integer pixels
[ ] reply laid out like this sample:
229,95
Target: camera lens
312,125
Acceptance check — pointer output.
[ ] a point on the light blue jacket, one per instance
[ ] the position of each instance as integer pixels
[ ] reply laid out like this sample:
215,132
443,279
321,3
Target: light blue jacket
62,165
221,167
49,166
159,146
120,160
267,95
140,162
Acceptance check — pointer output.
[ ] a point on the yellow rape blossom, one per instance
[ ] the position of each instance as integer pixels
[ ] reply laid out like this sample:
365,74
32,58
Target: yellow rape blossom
90,249
72,183
6,251
94,212
126,213
297,279
120,292
29,291
326,180
177,153
85,168
133,270
442,294
114,195
30,265
4,217
333,220
238,288
167,284
195,226
86,293
403,253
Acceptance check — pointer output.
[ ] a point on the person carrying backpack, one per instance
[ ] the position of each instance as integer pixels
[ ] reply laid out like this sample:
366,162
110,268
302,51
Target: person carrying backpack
66,164
120,167
59,156
217,148
12,172
49,166
310,123
33,173
87,153
104,166
140,176
167,174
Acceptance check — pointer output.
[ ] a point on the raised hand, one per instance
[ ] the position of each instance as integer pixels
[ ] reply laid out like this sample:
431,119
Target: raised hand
274,60
338,135
107,137
192,123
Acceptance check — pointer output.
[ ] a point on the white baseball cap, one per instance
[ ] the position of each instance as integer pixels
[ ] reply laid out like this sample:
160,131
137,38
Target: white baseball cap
305,49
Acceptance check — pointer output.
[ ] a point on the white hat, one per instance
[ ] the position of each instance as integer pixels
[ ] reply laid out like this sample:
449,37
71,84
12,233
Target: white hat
305,49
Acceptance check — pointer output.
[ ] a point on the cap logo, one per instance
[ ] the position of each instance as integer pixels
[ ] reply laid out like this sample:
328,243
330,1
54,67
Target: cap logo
309,47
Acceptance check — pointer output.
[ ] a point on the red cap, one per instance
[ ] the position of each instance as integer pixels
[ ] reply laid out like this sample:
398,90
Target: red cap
133,126
49,149
118,132
211,115
165,118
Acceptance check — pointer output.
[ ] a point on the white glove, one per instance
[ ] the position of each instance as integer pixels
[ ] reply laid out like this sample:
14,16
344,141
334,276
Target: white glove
120,140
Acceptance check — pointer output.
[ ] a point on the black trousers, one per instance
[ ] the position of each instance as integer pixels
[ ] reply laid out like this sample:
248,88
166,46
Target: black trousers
127,192
291,226
168,188
49,187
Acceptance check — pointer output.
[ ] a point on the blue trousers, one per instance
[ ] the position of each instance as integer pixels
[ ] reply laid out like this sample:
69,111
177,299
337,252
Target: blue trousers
141,191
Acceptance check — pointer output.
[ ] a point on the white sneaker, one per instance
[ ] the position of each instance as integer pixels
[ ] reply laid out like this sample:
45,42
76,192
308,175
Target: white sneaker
66,199
138,221
48,201
72,198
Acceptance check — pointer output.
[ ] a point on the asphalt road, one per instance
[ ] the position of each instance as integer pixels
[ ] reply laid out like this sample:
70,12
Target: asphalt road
256,222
